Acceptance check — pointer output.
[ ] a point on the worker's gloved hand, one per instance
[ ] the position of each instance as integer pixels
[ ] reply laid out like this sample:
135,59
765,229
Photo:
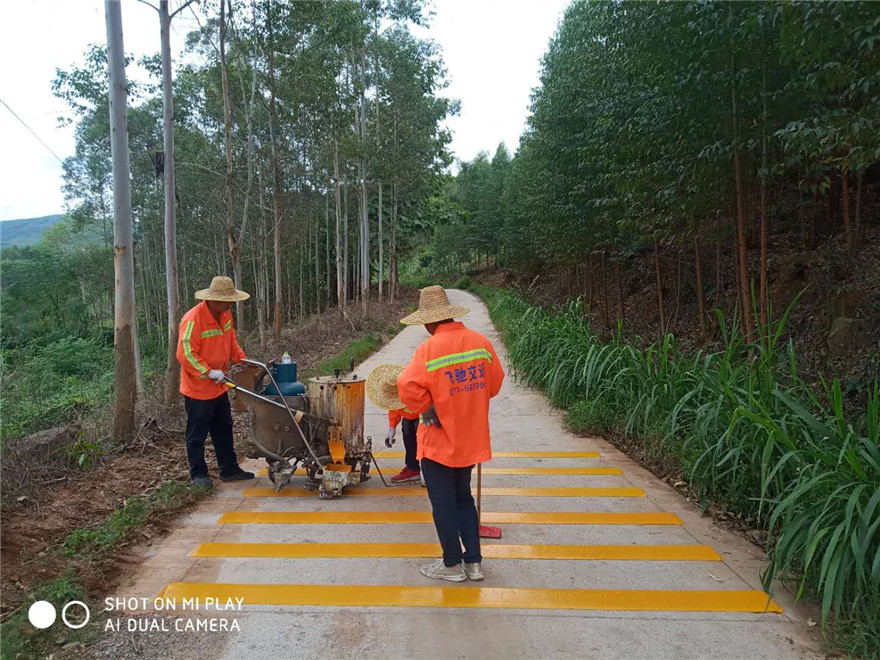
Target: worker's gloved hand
429,417
389,437
216,375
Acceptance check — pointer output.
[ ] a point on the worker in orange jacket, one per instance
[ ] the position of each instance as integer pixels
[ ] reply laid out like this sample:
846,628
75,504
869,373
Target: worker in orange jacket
450,380
382,390
206,346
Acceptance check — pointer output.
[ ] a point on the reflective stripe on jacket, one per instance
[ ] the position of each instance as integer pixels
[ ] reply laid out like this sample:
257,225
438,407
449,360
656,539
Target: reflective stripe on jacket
458,371
394,416
205,344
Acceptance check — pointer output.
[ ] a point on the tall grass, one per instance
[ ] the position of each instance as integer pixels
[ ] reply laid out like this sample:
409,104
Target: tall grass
748,433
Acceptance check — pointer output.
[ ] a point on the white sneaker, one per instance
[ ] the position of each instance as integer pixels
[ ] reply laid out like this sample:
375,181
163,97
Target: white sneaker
440,571
473,571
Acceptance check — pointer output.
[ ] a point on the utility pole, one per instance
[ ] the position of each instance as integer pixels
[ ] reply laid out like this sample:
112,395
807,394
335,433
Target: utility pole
123,258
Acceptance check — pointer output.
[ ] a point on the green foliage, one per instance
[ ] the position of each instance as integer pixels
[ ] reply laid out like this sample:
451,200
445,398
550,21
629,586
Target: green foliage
21,639
98,540
44,386
747,432
357,350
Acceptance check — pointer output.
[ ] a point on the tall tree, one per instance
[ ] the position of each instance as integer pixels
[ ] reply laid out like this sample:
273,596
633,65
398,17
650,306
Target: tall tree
123,251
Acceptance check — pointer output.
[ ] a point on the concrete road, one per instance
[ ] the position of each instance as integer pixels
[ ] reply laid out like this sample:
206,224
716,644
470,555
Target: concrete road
525,607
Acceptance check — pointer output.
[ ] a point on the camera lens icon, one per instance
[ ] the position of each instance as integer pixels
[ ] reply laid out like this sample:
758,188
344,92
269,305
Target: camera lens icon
42,614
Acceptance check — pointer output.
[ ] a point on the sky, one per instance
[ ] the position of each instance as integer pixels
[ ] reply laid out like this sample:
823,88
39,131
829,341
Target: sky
492,51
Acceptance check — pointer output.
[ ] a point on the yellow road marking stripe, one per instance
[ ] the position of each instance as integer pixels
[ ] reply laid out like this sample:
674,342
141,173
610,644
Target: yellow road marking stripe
526,470
476,597
515,454
431,550
425,517
489,492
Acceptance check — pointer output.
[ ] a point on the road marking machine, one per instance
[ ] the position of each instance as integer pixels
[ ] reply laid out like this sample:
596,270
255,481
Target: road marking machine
319,426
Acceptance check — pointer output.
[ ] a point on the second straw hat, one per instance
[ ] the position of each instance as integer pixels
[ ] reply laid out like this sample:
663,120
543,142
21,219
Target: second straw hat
382,386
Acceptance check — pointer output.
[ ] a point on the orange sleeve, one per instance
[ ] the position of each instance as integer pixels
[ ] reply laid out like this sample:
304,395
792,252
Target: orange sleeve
497,372
394,417
412,384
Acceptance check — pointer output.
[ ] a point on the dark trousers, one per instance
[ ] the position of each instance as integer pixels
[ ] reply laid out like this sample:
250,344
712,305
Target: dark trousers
212,416
409,428
455,514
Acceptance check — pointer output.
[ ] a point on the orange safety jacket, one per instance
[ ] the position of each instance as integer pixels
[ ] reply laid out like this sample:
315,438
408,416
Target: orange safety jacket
205,344
458,371
394,416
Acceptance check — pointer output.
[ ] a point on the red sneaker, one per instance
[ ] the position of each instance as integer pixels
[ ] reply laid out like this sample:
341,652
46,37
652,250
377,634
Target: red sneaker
405,476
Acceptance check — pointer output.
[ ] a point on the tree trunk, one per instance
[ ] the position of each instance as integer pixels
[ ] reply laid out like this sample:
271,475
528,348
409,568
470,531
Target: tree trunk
701,296
365,236
745,294
381,250
249,119
319,287
123,257
345,246
590,288
276,176
858,218
262,288
393,261
230,172
764,219
340,271
172,372
659,288
327,250
844,178
622,313
741,228
606,311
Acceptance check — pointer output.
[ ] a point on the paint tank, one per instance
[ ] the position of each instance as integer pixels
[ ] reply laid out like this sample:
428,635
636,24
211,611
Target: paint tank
340,399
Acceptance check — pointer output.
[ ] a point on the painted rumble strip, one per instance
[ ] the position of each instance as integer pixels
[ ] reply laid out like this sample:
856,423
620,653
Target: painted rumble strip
477,597
425,517
489,492
529,470
430,550
515,454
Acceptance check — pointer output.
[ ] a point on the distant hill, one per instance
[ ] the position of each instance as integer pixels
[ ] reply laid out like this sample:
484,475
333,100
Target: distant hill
26,231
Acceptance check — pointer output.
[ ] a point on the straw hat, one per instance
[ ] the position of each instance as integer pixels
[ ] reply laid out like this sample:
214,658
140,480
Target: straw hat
382,386
434,306
223,290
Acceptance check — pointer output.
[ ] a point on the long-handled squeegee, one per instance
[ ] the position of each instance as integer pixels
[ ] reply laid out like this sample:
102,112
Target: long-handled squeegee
486,532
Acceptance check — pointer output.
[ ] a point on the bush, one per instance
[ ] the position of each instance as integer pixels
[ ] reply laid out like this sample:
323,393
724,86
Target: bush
591,417
748,432
463,283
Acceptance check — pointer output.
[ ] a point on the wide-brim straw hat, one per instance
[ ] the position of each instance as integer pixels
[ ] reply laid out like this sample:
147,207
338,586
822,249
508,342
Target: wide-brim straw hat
222,289
382,386
433,307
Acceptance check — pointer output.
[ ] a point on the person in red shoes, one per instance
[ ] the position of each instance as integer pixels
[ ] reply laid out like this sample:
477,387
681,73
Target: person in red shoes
205,349
450,380
382,390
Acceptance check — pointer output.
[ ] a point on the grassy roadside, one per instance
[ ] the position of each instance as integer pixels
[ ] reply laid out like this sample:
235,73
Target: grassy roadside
80,548
747,433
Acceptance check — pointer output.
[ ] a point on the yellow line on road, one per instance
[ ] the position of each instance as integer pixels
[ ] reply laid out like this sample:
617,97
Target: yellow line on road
528,470
475,597
489,492
515,454
416,517
490,551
